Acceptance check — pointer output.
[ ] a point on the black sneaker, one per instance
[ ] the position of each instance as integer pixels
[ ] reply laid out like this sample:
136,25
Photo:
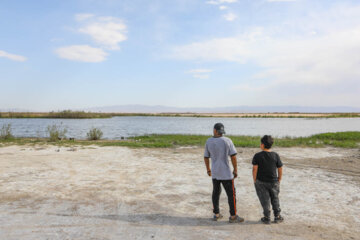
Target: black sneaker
265,220
278,219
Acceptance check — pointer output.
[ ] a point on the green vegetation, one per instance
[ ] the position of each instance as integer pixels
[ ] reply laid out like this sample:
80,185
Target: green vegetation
94,134
5,132
81,115
339,139
56,132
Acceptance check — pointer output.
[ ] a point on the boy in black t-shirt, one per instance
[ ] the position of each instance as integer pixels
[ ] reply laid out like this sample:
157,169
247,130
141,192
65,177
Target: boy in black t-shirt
266,165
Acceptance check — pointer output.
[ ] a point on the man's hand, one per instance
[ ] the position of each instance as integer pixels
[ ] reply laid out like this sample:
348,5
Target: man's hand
280,172
254,172
207,165
234,163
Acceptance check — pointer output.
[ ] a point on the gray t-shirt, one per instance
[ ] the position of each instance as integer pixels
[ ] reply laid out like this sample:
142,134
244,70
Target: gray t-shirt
219,149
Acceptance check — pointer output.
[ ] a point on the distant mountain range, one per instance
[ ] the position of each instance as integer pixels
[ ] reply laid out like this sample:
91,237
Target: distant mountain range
15,110
235,109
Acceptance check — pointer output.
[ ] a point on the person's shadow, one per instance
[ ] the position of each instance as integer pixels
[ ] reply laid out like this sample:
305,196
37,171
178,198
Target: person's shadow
161,219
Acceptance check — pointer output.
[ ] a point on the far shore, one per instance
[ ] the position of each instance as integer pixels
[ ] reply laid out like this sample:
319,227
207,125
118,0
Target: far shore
83,115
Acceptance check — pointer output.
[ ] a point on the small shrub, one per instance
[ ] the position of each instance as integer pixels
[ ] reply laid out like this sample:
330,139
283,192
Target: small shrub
5,132
94,134
56,132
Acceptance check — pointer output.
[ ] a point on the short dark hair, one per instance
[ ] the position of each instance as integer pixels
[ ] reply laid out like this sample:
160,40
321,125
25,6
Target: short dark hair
268,141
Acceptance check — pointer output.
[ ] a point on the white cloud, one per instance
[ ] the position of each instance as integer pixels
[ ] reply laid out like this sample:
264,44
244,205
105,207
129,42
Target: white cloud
200,73
217,2
281,0
200,70
230,17
218,49
82,53
108,32
324,59
13,57
83,16
329,59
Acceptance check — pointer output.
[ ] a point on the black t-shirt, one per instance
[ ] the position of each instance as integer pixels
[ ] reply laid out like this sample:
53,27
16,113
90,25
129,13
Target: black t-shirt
268,163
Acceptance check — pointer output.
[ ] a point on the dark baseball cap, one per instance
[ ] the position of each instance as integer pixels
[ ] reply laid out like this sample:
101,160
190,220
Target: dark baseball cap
219,127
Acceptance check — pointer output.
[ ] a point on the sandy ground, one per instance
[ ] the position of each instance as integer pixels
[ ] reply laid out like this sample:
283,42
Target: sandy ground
122,193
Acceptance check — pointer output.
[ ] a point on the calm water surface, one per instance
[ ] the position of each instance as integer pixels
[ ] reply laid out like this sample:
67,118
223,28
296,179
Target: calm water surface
117,127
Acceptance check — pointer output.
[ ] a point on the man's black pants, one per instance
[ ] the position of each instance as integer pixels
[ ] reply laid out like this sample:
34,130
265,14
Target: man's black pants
230,192
268,192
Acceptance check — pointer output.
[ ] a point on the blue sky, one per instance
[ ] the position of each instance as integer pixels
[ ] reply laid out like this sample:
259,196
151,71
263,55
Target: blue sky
66,54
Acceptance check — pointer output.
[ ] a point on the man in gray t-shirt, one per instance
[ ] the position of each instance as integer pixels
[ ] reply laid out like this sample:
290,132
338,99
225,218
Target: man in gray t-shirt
219,148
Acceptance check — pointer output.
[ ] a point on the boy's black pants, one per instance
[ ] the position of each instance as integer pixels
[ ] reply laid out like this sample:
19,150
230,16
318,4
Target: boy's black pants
268,192
230,192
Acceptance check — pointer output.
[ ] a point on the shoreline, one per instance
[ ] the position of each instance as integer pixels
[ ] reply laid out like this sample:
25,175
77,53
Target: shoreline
90,115
338,139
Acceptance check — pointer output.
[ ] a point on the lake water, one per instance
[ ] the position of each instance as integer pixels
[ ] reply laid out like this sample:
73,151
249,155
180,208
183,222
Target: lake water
117,127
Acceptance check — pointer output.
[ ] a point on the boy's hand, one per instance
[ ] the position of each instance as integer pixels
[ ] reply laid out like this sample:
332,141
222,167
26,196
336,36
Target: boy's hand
209,173
235,174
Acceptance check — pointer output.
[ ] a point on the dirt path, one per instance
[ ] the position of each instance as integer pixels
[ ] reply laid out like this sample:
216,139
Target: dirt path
123,193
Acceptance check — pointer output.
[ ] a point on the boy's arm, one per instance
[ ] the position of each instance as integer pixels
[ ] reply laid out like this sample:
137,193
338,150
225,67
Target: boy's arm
207,164
254,172
280,170
234,163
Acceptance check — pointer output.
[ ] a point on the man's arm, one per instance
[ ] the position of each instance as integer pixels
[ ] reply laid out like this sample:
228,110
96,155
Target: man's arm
234,163
280,170
207,164
255,170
